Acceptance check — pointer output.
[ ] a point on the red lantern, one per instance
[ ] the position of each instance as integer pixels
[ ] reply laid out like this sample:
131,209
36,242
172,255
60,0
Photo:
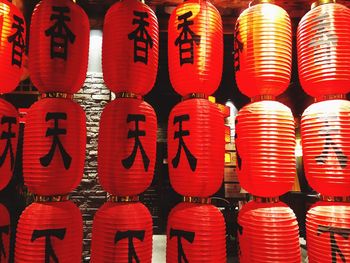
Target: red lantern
196,233
54,146
196,145
268,232
195,47
130,50
265,142
127,146
263,50
327,232
325,130
8,142
49,232
12,44
59,45
324,50
4,234
122,232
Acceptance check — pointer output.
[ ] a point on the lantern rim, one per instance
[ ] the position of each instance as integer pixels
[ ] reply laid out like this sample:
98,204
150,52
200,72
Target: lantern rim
256,2
341,199
260,199
322,2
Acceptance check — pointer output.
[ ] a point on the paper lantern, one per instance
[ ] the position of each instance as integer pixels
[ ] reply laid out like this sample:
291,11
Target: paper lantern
323,39
49,232
12,45
327,232
195,47
265,142
8,141
196,233
122,233
54,146
263,50
59,45
4,234
130,50
196,145
325,130
268,232
127,146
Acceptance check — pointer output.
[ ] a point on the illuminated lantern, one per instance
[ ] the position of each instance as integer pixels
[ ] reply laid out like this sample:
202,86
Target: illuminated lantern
265,142
59,44
54,146
325,130
263,50
130,50
4,234
8,141
323,49
196,233
195,47
122,233
127,146
268,232
327,232
196,145
12,44
49,232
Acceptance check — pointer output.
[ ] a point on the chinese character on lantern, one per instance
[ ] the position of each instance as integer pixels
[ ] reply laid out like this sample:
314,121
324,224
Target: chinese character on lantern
130,235
17,41
8,135
179,234
3,230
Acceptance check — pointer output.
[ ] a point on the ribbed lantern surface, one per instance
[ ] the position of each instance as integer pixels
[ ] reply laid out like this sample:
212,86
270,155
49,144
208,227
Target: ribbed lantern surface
130,49
59,45
12,44
127,146
265,142
325,130
327,232
122,233
54,146
323,42
49,232
268,232
195,47
5,230
8,141
196,144
196,233
263,50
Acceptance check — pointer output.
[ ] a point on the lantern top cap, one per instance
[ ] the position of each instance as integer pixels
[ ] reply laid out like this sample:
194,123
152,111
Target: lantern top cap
255,2
322,2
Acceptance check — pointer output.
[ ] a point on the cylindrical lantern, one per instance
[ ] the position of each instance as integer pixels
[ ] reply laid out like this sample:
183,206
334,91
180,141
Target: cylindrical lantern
130,50
323,49
4,234
327,232
8,141
59,44
196,234
49,232
268,232
122,233
196,145
325,130
263,50
54,146
12,45
265,142
195,47
127,146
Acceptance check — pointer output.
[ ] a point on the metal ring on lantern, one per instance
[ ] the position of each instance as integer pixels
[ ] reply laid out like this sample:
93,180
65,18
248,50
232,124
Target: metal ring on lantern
331,97
60,95
54,198
122,199
197,200
262,97
129,95
342,199
259,199
194,96
321,2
